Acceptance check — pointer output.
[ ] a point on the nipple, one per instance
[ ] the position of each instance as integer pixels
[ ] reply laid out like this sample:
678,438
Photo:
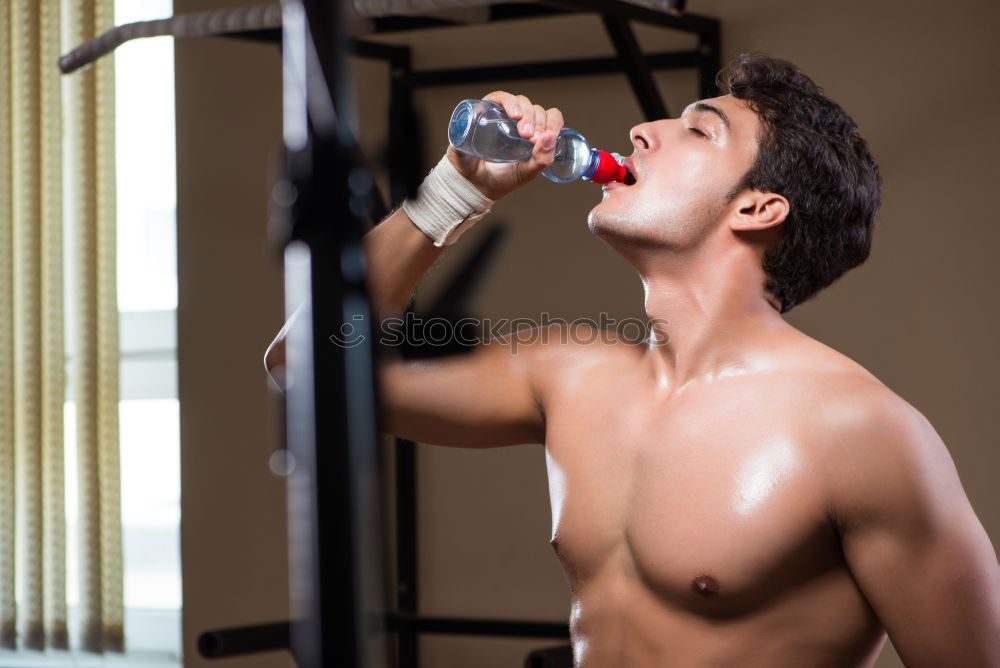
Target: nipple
705,585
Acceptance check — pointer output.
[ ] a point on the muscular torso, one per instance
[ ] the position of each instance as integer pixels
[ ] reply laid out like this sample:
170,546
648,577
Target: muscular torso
693,526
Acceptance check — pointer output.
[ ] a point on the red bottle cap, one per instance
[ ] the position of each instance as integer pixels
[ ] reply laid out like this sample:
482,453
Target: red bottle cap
608,169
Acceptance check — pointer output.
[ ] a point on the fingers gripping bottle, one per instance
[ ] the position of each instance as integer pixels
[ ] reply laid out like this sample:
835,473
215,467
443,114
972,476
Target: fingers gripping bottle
483,129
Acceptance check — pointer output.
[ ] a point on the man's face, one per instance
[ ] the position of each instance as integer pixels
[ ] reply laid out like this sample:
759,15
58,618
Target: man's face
684,169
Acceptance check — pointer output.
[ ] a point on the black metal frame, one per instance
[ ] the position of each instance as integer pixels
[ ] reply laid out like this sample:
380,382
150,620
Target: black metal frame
332,629
334,500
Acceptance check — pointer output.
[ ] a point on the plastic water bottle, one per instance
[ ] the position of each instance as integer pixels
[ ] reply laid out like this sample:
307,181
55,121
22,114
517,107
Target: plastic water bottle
483,129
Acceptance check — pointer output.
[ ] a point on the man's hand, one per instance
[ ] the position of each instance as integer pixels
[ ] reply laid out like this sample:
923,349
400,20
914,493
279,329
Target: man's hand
539,125
399,253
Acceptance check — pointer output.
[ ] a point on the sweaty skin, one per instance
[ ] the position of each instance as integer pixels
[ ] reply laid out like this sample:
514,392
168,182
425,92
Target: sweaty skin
731,492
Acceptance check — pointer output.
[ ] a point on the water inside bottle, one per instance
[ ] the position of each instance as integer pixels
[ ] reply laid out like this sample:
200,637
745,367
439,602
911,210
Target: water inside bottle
482,129
496,138
572,157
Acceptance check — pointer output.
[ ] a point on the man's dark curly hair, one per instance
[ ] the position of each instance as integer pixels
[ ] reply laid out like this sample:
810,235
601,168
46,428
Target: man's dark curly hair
809,150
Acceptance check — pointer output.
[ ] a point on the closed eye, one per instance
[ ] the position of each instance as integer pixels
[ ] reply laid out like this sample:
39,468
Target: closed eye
697,131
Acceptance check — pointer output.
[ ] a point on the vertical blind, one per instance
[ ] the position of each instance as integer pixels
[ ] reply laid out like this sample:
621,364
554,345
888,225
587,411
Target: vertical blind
33,611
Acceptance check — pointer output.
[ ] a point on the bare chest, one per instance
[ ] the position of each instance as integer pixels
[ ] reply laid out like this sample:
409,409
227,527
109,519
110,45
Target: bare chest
717,502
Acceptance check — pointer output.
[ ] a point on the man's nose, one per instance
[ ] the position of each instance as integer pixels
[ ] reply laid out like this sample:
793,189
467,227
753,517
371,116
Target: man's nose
642,138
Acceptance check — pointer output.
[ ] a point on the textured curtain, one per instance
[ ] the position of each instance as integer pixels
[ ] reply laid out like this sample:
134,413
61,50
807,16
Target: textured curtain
32,547
32,356
92,175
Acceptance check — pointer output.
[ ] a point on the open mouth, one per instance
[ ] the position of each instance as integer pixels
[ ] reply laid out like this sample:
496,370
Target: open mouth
629,178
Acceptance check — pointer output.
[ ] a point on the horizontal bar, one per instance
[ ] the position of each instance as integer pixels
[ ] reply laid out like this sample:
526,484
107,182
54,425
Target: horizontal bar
267,35
692,23
392,53
504,12
555,68
210,23
395,55
478,627
221,643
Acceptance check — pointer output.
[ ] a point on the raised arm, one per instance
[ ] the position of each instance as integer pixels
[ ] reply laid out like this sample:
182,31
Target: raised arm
913,543
487,397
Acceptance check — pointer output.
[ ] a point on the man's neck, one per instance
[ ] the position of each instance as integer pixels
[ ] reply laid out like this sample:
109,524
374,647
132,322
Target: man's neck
710,315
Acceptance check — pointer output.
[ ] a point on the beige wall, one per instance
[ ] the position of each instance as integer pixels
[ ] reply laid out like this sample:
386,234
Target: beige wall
920,79
233,509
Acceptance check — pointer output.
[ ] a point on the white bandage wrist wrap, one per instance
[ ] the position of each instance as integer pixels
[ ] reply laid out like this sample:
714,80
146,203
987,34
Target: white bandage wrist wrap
447,204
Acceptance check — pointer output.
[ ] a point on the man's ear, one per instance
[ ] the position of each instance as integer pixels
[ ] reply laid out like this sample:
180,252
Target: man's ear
754,211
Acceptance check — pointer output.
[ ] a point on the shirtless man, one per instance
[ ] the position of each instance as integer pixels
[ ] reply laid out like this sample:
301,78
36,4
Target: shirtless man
733,492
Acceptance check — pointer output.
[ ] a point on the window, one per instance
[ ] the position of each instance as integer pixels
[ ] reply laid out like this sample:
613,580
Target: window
147,302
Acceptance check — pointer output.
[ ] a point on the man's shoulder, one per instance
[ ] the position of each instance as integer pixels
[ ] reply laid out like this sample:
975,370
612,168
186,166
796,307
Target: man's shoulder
847,400
848,409
877,451
855,409
865,435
